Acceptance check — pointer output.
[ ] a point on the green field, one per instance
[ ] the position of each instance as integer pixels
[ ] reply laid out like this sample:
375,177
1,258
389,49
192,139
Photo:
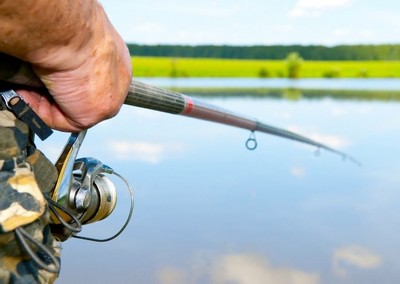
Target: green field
205,67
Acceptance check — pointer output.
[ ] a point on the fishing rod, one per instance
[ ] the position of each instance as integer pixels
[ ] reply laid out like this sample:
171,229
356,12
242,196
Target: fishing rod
155,98
83,194
142,95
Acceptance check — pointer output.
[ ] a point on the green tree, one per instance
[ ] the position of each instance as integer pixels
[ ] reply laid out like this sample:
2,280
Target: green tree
293,63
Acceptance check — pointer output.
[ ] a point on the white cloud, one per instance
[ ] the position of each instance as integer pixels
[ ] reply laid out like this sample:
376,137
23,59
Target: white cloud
355,256
149,152
313,8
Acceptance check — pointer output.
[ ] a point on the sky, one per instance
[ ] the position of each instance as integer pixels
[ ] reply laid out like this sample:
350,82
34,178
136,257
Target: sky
252,22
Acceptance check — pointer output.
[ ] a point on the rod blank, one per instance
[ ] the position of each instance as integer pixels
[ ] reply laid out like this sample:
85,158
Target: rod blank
146,96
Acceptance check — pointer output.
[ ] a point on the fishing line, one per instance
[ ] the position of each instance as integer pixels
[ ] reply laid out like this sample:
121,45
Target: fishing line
22,236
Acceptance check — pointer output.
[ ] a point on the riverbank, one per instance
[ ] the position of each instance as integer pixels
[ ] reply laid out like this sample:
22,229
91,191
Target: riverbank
236,68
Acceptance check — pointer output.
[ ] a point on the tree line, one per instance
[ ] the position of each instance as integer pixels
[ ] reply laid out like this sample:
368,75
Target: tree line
272,52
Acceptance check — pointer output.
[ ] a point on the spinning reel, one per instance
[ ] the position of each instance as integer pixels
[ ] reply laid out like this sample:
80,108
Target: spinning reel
84,193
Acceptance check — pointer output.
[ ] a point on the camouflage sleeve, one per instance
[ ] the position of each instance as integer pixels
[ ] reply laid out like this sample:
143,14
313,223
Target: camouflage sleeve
25,177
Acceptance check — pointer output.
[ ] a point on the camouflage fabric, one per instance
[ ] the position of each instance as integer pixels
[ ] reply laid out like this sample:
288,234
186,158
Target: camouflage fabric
25,177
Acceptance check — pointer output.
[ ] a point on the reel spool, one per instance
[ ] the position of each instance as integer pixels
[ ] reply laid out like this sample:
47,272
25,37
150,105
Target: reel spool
93,195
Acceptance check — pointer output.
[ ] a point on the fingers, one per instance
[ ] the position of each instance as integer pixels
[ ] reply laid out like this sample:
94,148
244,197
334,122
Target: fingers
48,111
90,90
82,61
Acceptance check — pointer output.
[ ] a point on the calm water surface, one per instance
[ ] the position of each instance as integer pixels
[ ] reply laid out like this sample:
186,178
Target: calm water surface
207,210
318,83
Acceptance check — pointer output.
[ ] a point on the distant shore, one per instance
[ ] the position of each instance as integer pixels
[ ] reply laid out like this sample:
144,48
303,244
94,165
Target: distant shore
238,68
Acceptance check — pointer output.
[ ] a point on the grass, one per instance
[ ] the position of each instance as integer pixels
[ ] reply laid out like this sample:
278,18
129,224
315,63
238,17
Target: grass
206,67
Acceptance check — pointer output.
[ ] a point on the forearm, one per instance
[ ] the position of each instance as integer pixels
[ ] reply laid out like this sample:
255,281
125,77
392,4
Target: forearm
48,33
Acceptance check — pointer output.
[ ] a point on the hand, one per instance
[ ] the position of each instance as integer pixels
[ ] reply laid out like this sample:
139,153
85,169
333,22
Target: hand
83,96
87,83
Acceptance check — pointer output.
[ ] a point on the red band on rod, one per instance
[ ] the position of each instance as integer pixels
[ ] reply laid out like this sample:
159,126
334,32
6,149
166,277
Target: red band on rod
188,105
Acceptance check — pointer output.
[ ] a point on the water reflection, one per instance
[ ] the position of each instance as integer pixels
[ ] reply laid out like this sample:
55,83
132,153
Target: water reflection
145,151
210,211
354,256
252,268
236,268
392,84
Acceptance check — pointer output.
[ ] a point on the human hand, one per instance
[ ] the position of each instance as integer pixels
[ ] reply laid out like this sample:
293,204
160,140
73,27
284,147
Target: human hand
87,83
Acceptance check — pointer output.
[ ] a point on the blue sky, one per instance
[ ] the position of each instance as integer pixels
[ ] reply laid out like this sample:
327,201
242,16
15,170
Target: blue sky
248,22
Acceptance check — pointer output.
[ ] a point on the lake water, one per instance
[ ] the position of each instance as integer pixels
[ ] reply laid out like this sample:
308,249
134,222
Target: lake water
207,210
318,83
